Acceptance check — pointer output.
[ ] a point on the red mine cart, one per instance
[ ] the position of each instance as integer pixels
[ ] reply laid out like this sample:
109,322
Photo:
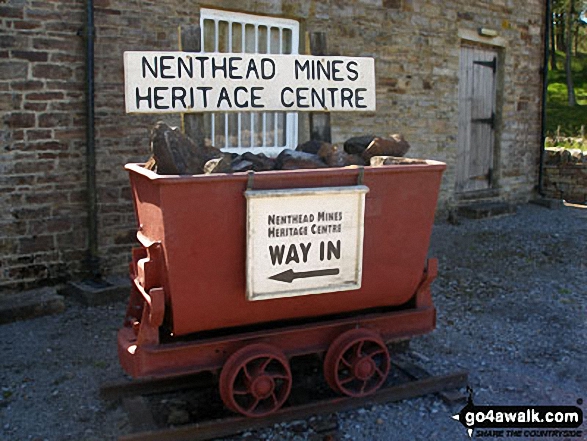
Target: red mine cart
240,272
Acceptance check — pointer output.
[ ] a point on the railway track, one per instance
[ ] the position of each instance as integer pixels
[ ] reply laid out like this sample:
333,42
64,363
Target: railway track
150,402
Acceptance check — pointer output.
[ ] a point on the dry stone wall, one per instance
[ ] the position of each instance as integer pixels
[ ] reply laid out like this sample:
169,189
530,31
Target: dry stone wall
42,97
565,175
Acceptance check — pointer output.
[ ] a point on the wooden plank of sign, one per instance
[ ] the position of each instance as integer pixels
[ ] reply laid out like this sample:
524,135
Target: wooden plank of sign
169,82
319,121
190,40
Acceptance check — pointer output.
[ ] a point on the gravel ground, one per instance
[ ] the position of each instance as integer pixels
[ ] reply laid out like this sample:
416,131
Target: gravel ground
512,310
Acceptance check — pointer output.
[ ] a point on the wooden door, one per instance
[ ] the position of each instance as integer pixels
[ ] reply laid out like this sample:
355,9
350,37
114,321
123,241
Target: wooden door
476,136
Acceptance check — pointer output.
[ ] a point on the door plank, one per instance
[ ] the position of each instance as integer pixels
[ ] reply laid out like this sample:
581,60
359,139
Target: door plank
476,137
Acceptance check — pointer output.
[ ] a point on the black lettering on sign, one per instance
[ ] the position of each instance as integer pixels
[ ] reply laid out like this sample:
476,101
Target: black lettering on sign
158,97
300,68
164,67
221,67
255,98
267,68
170,67
283,103
276,252
188,68
237,103
305,249
333,250
302,97
252,68
202,61
145,65
318,97
336,74
346,95
329,250
327,70
232,68
320,70
355,74
146,98
292,255
223,97
178,94
360,98
205,95
332,91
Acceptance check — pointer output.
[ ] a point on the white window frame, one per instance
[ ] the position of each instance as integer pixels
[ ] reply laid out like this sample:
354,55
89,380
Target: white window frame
291,118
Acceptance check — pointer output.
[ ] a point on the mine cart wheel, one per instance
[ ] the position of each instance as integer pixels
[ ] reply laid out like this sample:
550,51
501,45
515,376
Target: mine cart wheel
255,380
356,363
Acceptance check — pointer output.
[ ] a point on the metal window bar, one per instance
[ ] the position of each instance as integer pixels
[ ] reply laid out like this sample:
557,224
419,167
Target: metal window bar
268,132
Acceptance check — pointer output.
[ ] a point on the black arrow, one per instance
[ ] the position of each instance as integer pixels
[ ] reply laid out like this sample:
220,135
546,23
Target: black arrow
290,275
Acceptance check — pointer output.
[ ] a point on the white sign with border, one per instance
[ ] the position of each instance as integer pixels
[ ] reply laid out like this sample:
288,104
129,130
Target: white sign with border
304,241
172,82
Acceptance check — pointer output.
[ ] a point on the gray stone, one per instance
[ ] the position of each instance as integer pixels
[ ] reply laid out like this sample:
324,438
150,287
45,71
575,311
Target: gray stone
29,304
482,210
396,146
312,146
176,154
291,159
177,417
255,162
241,165
357,144
260,161
222,164
550,203
94,293
335,156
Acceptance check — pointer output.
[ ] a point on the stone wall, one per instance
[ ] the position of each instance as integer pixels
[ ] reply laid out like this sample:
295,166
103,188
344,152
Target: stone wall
42,97
565,175
42,228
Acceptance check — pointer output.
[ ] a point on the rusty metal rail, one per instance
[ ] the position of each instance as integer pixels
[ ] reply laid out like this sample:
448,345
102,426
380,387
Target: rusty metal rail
125,389
420,383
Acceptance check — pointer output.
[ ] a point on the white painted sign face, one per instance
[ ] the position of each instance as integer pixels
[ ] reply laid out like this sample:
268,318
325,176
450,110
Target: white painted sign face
304,241
171,82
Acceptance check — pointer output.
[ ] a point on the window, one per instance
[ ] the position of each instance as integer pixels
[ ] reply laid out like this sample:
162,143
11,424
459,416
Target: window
257,132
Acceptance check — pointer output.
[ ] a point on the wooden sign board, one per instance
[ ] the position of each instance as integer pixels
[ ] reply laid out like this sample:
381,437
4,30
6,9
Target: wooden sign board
171,82
304,241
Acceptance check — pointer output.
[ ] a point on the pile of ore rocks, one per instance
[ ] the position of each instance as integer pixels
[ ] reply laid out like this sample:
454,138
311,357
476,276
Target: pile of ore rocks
173,153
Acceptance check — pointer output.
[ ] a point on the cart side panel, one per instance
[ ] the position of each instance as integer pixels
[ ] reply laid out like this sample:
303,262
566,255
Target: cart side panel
204,244
147,204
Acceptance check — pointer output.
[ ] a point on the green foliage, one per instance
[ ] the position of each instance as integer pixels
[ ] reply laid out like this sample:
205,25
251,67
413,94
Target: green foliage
558,113
567,143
